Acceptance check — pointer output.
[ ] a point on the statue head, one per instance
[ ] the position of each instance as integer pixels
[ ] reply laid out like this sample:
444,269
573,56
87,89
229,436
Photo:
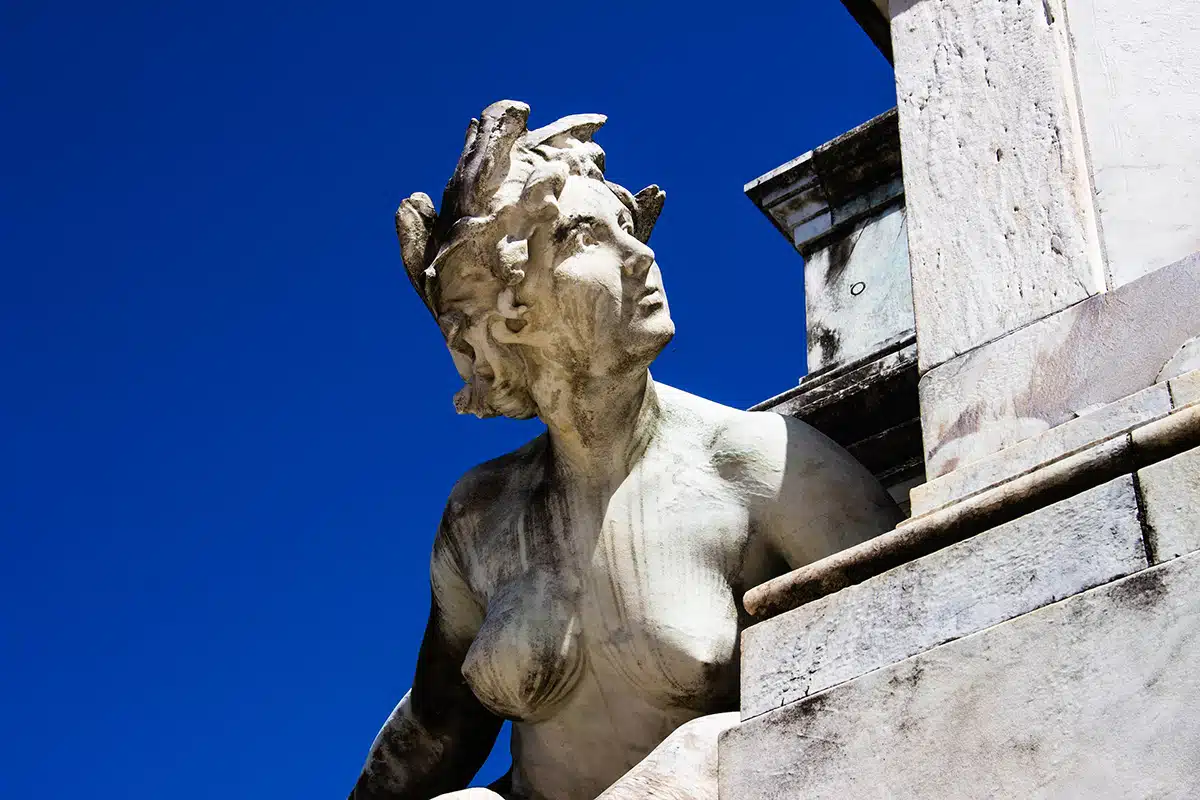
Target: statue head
535,261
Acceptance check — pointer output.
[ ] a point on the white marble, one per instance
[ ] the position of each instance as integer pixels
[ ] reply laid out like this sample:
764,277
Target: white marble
1185,389
1186,360
1053,553
1140,93
1001,218
1070,437
1092,697
1058,369
587,586
1171,493
857,291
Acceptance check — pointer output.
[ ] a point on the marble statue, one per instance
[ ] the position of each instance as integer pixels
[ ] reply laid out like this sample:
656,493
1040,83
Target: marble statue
588,585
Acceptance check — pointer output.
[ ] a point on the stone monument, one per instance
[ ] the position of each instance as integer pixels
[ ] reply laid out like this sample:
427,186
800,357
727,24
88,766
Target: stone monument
1002,280
588,586
1033,629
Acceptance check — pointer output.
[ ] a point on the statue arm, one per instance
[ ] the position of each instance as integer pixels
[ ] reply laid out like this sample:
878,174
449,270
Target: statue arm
826,500
439,734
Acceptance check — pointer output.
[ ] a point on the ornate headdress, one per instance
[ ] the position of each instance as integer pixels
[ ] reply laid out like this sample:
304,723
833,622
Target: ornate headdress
506,182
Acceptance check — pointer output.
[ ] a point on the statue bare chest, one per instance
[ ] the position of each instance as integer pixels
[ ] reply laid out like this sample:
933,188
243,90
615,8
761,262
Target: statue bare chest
633,586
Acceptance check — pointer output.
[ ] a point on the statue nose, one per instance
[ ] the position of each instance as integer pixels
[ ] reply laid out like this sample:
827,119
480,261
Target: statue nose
639,259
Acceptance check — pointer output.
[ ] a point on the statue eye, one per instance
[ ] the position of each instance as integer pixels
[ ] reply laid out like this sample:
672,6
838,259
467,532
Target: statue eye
586,236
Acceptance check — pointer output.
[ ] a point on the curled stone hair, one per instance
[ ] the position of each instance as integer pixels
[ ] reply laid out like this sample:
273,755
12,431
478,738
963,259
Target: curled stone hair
466,260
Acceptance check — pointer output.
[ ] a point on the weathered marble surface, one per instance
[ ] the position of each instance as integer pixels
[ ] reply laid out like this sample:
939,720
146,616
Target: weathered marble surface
586,585
1094,696
1171,493
858,292
1060,368
871,409
1185,389
1186,360
687,758
1002,227
842,207
1021,458
1140,92
918,537
1045,556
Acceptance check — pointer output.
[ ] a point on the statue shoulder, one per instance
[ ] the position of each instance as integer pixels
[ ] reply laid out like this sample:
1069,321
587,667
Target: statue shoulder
749,447
480,499
755,440
773,455
485,487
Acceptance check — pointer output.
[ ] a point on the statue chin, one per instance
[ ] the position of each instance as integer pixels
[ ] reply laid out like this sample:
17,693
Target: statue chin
652,332
658,331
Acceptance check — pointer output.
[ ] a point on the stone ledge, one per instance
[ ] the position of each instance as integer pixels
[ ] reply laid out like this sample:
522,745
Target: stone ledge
1053,553
1048,373
1093,696
869,407
921,536
1045,448
820,389
834,185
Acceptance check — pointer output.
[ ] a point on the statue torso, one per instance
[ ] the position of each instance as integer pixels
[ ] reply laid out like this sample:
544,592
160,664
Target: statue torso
612,610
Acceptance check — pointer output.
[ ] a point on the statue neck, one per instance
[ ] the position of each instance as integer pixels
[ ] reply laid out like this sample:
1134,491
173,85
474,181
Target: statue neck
599,427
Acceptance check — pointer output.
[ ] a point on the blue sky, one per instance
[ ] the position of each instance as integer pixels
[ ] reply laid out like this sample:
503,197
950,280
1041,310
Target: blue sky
227,426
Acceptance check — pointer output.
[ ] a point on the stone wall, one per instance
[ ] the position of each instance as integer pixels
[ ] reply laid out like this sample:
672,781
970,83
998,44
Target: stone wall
1048,656
1139,89
1032,629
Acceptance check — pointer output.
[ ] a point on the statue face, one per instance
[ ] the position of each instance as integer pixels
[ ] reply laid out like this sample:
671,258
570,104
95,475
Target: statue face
594,289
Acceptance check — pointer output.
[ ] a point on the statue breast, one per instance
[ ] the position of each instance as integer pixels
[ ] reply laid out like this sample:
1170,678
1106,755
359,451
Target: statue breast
527,656
634,591
668,626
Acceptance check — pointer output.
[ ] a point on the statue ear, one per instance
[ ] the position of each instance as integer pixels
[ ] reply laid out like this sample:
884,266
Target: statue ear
511,326
648,204
514,325
415,220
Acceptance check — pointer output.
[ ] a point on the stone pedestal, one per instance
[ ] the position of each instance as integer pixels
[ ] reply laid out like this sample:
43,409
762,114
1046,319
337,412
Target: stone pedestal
1093,696
1031,630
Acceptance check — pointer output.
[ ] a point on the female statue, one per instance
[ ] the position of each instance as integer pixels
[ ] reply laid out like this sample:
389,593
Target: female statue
588,585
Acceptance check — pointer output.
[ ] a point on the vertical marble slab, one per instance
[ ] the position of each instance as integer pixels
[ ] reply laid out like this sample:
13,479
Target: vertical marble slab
1001,216
1138,67
857,291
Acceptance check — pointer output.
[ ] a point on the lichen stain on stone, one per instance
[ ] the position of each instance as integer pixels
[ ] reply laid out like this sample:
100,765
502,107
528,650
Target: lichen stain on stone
1142,591
829,340
812,705
839,254
907,679
1027,747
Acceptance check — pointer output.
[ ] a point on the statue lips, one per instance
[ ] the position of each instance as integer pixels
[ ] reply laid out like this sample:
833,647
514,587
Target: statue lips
650,299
